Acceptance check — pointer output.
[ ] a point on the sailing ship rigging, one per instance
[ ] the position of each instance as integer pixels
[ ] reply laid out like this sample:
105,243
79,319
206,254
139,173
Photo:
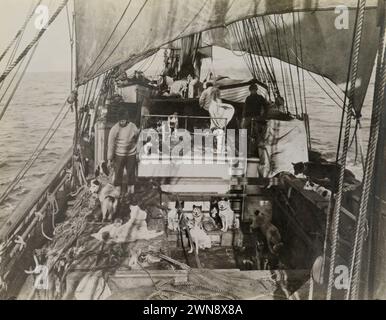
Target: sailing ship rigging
279,42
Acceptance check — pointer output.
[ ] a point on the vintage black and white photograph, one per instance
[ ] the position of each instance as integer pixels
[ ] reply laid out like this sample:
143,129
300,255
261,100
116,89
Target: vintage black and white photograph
201,150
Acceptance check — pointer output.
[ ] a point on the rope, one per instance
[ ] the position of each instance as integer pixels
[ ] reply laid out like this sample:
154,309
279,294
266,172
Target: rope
124,35
21,30
17,84
33,42
339,196
297,62
11,82
53,205
111,35
10,59
379,99
275,23
71,30
289,65
346,90
35,155
44,234
281,61
263,49
302,62
268,47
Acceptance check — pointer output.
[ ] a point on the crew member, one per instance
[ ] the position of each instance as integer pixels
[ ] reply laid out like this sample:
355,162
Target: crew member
220,115
253,117
122,148
206,96
255,105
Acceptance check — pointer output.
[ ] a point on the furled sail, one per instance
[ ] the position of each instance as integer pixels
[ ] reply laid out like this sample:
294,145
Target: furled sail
113,32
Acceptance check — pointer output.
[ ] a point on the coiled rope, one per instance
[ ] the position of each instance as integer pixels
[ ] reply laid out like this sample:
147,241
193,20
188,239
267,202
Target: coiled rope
338,201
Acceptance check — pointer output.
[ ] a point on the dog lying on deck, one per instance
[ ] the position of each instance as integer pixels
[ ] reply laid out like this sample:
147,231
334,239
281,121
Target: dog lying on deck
326,174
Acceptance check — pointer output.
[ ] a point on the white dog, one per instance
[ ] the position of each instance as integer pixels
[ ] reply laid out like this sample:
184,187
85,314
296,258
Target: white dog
199,237
226,214
108,194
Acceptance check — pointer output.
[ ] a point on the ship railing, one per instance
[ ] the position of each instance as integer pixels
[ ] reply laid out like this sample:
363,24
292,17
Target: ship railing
187,120
23,230
190,125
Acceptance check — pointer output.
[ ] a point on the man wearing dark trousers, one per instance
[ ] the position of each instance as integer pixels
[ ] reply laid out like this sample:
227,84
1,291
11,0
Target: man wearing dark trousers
253,117
122,149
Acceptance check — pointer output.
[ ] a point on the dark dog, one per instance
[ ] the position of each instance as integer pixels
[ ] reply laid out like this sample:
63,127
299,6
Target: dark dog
214,213
325,174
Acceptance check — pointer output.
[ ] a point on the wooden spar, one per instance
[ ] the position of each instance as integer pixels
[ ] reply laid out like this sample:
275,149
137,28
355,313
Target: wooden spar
376,277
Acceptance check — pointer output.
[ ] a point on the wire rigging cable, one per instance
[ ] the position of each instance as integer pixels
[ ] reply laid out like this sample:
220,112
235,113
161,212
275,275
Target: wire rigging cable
302,63
111,35
124,35
16,48
379,104
33,42
17,84
281,62
36,153
339,196
289,64
297,62
20,31
278,36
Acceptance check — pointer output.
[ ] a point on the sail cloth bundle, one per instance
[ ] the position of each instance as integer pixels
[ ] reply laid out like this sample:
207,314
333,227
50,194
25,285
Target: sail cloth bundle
220,114
133,230
285,142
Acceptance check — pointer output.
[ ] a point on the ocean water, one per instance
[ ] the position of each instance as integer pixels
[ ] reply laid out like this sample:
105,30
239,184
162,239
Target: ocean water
41,95
34,107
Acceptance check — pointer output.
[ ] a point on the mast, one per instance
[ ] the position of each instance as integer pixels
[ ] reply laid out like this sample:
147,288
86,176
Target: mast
377,223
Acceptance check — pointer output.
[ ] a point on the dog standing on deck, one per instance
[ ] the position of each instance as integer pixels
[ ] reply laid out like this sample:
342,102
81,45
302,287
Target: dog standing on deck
199,237
262,221
108,194
226,214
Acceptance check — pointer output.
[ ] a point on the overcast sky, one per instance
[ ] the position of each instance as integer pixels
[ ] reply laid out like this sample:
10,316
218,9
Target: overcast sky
53,53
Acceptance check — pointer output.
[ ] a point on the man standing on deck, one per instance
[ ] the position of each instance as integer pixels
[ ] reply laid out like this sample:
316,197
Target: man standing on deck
254,113
122,149
255,105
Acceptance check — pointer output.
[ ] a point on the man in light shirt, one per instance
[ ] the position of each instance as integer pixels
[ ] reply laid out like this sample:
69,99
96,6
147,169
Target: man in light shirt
206,97
122,149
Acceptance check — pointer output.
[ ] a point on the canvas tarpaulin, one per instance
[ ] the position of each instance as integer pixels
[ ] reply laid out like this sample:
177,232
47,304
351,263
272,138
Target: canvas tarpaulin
109,33
285,143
